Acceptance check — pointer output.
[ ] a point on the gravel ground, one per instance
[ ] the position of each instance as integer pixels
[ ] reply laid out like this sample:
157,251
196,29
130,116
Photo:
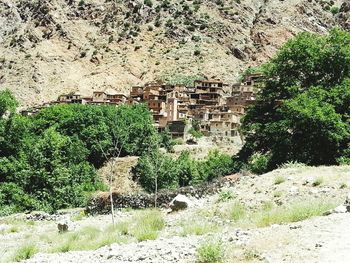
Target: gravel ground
320,239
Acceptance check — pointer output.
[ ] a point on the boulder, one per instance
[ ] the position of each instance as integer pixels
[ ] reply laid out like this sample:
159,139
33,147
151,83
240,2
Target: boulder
180,202
340,209
347,203
63,226
345,208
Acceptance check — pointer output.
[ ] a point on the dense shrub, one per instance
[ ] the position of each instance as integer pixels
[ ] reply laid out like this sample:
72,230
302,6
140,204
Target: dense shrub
162,171
166,140
48,161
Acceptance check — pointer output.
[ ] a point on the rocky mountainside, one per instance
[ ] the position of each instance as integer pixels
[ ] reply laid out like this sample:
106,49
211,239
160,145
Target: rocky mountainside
49,47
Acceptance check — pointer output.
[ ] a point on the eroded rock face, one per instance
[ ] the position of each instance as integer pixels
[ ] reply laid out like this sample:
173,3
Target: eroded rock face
180,202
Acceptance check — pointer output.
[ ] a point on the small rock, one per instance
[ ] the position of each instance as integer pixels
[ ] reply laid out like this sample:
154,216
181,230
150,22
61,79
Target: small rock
3,227
294,190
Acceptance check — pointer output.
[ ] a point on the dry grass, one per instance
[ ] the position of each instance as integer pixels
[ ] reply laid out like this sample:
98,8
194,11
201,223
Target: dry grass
268,214
294,212
147,224
197,228
279,179
24,252
87,238
318,181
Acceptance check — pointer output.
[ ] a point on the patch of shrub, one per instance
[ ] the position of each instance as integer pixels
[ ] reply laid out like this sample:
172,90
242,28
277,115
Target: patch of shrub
148,3
25,252
258,163
164,171
210,251
279,180
226,195
334,10
318,181
197,52
196,134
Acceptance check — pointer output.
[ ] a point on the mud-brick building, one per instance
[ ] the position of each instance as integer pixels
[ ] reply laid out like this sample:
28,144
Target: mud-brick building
207,92
224,124
136,93
109,96
254,79
70,98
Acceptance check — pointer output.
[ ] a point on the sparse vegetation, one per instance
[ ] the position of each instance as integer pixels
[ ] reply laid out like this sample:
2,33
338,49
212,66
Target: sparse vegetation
279,179
88,238
268,214
237,211
277,194
318,181
226,195
147,224
210,251
197,228
251,254
293,213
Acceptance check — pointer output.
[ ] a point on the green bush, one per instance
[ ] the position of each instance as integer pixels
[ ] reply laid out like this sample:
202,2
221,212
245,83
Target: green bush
210,251
195,133
335,10
166,140
258,163
148,3
156,171
166,172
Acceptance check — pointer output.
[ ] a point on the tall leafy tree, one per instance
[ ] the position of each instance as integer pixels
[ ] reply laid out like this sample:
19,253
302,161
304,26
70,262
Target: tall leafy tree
302,113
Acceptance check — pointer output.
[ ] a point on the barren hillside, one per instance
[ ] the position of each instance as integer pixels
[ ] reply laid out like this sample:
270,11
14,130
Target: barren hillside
48,47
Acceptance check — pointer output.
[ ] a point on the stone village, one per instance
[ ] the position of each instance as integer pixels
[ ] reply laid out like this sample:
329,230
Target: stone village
216,107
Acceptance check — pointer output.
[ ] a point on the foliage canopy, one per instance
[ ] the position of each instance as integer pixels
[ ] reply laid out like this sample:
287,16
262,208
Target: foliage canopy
48,161
303,110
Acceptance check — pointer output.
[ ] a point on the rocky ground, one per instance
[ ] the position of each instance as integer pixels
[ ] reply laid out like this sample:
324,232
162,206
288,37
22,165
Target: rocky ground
241,218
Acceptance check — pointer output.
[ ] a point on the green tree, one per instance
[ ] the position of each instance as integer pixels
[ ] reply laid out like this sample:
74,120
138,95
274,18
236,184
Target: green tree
302,112
7,102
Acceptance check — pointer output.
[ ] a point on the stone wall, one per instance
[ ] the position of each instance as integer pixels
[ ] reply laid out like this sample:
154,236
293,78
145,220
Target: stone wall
100,203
